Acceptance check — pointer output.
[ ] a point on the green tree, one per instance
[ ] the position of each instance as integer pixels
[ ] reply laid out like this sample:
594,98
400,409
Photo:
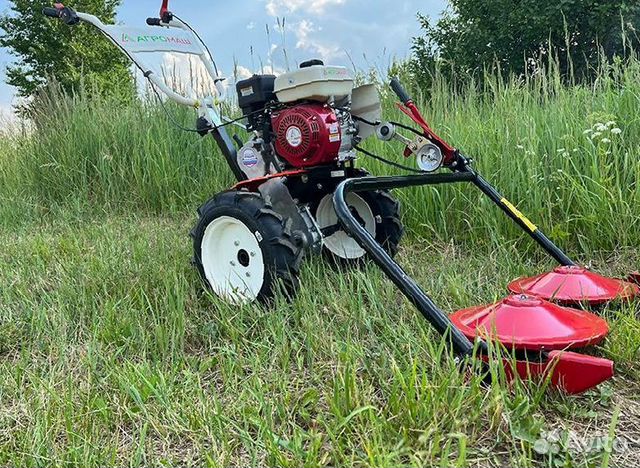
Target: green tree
514,34
47,50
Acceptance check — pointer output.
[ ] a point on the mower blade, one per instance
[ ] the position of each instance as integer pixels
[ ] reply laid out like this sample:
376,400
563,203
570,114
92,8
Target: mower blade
571,372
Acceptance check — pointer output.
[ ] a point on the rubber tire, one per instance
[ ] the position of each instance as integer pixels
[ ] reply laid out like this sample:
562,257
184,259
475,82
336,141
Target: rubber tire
389,227
282,252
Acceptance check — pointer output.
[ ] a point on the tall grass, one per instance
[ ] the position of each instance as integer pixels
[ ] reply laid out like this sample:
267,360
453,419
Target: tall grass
527,136
111,354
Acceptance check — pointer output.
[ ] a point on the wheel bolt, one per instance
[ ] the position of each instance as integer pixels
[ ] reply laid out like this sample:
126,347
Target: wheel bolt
232,263
253,254
248,274
236,243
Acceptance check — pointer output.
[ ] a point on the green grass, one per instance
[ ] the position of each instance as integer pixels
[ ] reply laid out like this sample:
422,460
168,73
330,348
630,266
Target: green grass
111,353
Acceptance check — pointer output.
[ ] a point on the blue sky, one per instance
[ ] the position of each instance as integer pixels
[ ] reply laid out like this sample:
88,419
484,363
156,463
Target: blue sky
369,32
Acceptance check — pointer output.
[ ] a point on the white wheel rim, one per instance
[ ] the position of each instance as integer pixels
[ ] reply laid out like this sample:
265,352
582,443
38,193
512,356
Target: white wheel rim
232,260
339,243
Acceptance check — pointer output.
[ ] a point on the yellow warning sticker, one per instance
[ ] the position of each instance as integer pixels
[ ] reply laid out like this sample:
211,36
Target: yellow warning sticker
532,227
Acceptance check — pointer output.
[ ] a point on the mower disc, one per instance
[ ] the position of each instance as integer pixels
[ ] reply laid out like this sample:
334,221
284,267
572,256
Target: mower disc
575,285
529,323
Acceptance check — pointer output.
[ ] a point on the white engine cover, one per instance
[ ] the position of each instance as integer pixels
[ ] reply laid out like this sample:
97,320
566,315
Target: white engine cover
316,83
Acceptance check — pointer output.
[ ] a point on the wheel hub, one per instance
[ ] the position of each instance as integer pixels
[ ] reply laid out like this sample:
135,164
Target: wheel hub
232,260
339,242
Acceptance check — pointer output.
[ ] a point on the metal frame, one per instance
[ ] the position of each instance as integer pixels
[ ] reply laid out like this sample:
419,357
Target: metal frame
405,283
207,112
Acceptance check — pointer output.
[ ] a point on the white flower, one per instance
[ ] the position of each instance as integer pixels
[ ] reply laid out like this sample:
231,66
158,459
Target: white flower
520,147
600,127
605,140
616,131
610,123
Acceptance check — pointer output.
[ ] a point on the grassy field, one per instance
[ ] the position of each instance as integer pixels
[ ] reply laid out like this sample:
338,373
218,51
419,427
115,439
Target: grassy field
111,353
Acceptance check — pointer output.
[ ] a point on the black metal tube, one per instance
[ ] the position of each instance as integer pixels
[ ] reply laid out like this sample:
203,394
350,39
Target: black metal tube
225,143
521,220
436,317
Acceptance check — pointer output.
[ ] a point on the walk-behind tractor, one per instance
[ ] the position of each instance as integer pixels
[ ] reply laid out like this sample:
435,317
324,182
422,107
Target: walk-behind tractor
299,191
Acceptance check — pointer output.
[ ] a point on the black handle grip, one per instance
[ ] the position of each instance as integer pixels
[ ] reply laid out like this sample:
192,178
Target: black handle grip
51,12
400,91
154,21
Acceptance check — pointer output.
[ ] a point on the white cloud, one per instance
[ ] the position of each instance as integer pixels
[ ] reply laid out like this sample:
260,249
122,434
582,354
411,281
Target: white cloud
304,30
242,73
317,7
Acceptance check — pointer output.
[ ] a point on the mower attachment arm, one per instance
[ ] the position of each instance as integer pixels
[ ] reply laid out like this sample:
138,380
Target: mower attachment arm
436,317
512,212
569,371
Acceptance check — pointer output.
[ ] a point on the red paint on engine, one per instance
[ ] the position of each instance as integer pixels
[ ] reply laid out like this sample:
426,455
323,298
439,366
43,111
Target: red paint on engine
307,135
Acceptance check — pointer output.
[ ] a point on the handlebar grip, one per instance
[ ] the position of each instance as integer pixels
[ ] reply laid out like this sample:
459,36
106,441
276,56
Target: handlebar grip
400,91
154,21
51,12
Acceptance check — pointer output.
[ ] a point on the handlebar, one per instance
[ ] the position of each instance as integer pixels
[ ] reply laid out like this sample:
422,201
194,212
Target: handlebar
402,93
154,21
51,12
66,14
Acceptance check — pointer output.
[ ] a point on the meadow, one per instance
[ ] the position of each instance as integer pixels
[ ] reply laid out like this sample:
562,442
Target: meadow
112,354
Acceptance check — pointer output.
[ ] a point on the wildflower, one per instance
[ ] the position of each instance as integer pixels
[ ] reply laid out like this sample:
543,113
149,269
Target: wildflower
605,141
611,123
616,131
600,127
520,147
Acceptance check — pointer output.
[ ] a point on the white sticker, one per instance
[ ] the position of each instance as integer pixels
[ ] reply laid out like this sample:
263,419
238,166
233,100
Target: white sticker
246,91
249,158
294,136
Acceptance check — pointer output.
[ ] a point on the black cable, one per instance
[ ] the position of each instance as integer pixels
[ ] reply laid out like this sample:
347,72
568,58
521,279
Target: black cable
397,124
406,127
386,161
215,67
194,130
368,122
169,116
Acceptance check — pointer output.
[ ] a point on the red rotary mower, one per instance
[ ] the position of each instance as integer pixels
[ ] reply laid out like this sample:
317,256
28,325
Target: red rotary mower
299,191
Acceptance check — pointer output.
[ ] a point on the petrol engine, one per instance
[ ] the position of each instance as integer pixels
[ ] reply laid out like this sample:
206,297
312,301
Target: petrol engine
300,119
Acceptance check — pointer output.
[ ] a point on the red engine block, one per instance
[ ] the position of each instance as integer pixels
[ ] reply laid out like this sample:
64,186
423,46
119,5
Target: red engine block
307,135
